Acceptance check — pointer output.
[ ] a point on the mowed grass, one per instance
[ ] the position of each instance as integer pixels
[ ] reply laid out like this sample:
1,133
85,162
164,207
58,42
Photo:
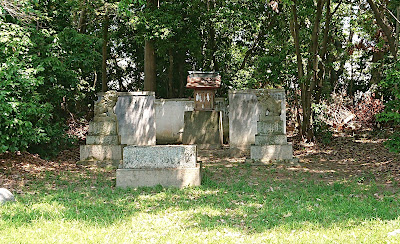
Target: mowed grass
239,204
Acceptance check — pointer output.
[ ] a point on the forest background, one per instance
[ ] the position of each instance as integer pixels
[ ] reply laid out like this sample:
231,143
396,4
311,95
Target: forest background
333,57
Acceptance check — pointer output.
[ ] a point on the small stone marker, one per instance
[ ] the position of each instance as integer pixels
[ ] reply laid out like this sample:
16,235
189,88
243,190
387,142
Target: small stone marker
6,196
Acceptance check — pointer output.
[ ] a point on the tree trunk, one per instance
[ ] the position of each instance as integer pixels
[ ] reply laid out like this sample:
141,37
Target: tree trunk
296,38
385,28
82,19
149,66
104,81
170,92
181,73
150,71
324,48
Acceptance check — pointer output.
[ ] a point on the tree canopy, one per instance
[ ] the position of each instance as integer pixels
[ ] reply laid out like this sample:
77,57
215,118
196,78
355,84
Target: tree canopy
56,55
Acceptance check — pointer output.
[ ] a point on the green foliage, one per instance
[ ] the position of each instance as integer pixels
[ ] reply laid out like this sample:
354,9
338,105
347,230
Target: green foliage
391,88
393,143
24,114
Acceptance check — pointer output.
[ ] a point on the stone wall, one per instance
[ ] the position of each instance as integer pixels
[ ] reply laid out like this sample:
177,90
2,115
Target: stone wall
169,114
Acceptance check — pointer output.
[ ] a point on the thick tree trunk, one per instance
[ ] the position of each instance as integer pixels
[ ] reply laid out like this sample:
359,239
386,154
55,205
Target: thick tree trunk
150,71
104,81
149,66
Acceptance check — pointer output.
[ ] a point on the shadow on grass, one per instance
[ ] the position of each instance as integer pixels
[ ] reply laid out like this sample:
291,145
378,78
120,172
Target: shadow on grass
233,202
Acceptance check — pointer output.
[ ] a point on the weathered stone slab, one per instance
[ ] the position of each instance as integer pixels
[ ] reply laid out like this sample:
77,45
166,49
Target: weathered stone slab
160,156
203,128
180,177
271,152
103,140
136,118
271,139
100,152
6,196
103,128
273,127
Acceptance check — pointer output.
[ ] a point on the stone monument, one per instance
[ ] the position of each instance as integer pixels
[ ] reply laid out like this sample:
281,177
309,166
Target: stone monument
270,141
103,144
166,165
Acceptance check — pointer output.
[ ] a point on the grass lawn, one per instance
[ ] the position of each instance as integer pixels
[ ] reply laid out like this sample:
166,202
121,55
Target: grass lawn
236,203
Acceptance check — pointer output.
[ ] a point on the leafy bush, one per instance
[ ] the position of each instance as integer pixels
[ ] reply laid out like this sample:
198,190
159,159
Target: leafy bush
391,114
24,114
391,88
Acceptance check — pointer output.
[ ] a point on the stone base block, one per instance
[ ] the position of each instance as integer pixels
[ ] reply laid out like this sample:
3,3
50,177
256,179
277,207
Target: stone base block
160,156
100,152
103,128
203,128
166,177
271,139
273,127
103,140
271,152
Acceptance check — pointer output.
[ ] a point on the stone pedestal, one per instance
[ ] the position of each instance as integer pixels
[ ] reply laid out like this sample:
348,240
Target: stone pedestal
203,128
271,141
166,165
103,144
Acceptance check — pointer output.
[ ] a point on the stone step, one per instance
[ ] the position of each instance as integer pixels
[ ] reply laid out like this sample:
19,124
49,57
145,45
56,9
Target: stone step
179,177
273,127
160,156
100,152
271,139
103,128
103,140
271,152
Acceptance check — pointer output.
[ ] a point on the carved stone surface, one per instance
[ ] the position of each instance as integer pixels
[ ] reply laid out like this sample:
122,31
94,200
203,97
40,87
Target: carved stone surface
105,107
103,142
268,103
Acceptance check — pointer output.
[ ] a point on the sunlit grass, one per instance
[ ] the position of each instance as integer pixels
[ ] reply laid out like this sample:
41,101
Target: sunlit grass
246,206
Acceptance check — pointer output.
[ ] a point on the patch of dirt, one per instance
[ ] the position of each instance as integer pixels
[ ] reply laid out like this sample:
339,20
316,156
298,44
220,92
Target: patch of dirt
347,157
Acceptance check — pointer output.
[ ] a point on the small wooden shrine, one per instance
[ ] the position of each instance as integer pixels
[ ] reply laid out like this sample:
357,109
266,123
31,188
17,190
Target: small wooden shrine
204,85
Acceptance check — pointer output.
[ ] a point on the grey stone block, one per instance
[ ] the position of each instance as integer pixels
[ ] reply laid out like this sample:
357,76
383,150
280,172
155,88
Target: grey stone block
103,128
203,128
271,152
6,196
136,118
103,140
271,139
100,152
180,177
160,156
273,127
